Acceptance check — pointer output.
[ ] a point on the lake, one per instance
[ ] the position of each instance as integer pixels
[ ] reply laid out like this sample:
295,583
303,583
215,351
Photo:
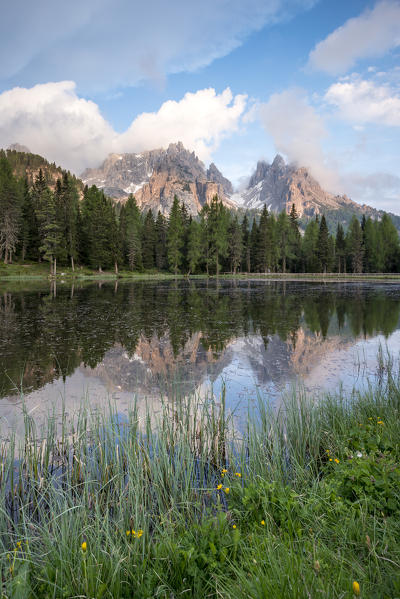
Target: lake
153,340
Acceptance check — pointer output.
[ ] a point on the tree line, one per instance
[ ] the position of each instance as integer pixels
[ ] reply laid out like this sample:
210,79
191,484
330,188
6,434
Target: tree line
40,223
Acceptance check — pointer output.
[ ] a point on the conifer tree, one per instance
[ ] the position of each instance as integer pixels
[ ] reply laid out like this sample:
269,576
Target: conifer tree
29,239
49,230
323,244
194,246
354,241
67,201
235,245
262,250
10,211
294,240
131,234
148,241
340,249
161,242
218,223
283,232
246,265
390,244
175,237
253,243
309,247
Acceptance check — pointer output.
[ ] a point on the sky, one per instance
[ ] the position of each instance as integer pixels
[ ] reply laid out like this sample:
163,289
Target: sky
236,81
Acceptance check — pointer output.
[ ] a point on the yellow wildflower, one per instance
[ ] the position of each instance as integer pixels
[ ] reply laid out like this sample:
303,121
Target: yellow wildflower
84,546
356,588
238,474
224,471
133,533
330,459
336,460
219,486
139,533
19,543
370,418
128,532
380,422
234,526
226,490
262,522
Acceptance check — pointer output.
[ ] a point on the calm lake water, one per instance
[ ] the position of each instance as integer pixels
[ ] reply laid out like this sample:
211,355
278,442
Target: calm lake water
150,339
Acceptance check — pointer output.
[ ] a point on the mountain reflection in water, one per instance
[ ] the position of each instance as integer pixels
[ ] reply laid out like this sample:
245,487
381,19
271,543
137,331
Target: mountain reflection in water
144,338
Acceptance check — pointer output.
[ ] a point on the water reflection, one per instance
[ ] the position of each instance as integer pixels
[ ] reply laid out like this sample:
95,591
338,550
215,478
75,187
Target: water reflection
140,337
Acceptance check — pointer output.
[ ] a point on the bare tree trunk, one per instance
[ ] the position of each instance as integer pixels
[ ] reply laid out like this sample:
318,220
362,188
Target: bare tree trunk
55,267
116,267
72,264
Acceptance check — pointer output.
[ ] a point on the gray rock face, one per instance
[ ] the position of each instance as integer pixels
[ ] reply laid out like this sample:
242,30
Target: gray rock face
213,174
154,178
268,186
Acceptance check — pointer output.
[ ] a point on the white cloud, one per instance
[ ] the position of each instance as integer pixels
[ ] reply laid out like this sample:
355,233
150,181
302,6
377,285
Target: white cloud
102,44
53,121
200,120
371,34
360,101
298,132
381,190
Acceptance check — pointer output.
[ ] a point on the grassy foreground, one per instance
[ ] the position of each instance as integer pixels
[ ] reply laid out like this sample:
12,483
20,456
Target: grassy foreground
304,503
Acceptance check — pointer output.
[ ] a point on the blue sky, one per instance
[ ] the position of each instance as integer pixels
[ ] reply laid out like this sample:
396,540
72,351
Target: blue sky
316,80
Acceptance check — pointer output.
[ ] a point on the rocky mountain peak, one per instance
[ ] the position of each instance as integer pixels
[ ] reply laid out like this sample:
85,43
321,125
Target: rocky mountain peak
278,163
259,174
155,176
213,174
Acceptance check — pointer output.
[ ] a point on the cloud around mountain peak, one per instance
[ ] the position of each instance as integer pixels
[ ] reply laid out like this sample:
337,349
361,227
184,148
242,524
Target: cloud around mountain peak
52,120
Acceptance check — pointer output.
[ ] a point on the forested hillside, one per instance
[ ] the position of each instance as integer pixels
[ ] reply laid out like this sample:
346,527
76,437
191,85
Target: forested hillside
45,219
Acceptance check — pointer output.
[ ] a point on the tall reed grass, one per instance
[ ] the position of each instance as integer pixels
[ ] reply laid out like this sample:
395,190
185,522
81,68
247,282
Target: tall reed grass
301,503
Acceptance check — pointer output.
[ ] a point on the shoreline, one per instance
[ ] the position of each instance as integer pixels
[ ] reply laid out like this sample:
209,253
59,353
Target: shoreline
19,272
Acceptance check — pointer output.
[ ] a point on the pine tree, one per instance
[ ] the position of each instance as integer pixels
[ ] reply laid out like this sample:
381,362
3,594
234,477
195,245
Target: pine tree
49,230
235,245
161,242
96,233
175,237
218,223
354,241
246,266
29,238
148,241
68,207
262,251
253,243
391,247
340,249
309,247
131,234
194,246
283,232
323,244
294,240
10,211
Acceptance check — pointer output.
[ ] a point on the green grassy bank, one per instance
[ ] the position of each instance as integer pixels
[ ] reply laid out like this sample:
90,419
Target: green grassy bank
302,504
40,271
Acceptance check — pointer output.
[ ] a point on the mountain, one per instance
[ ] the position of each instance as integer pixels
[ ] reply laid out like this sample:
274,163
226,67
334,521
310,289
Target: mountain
279,185
155,177
27,165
